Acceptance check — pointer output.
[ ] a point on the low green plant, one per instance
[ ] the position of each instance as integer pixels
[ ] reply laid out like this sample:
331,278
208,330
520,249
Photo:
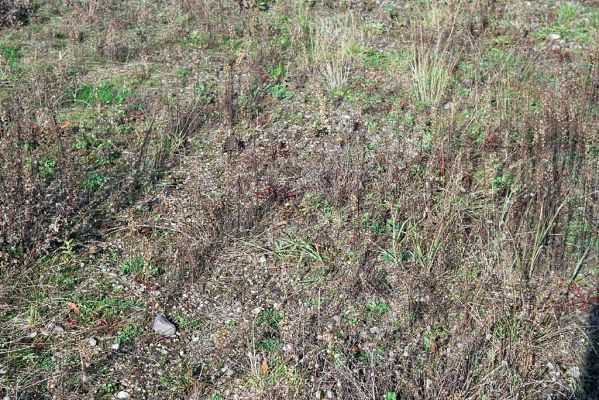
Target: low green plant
109,387
187,323
45,363
47,168
269,345
11,54
194,40
269,317
204,94
279,91
94,181
390,396
133,266
138,266
375,59
129,333
435,333
375,307
264,5
277,72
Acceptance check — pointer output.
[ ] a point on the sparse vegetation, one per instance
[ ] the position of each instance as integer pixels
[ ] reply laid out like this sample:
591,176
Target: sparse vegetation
328,199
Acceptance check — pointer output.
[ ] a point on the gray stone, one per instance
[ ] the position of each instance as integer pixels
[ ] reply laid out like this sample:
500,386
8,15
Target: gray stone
93,342
122,395
163,326
553,36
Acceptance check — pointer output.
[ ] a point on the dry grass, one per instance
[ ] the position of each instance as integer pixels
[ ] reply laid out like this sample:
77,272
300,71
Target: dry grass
281,180
336,40
434,54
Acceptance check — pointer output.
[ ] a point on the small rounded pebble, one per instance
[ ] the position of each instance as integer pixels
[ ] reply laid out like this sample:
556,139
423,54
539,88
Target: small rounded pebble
122,395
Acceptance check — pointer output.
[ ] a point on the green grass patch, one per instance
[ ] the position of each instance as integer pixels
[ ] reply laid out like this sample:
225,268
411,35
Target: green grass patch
573,22
104,93
11,55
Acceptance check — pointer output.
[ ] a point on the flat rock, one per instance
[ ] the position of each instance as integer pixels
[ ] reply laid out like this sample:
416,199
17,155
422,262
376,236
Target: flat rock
163,326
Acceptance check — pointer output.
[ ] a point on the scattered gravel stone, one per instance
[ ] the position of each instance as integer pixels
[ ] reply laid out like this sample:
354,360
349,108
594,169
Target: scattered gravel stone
163,326
93,342
115,346
122,395
575,372
448,106
554,36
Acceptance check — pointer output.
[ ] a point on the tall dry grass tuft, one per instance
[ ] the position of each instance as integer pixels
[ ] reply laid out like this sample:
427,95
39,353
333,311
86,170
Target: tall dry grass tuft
335,41
433,56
